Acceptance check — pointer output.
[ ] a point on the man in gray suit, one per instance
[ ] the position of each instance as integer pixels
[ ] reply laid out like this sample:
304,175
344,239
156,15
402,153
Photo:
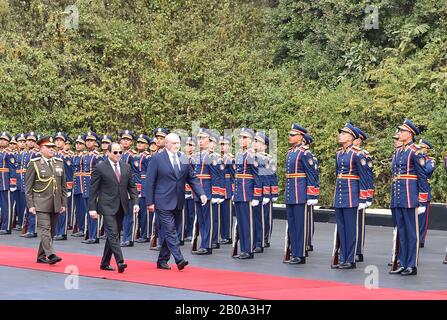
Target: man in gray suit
111,187
46,196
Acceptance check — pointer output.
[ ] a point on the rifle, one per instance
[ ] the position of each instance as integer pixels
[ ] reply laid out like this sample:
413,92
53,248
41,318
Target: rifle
235,240
335,250
195,233
286,245
396,249
154,235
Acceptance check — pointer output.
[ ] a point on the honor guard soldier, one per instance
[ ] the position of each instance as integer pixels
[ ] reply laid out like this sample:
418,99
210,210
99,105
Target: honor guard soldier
14,176
80,206
189,209
301,191
430,166
351,194
226,207
209,172
308,140
46,196
20,176
260,144
411,195
7,166
88,165
156,237
139,166
247,194
64,220
129,223
29,228
365,156
106,140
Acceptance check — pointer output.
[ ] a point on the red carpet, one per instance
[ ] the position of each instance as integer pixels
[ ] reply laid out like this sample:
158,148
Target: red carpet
233,283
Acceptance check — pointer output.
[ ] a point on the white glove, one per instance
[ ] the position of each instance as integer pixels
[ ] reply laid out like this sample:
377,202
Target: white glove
219,201
188,196
13,189
362,206
275,199
368,204
265,201
68,194
421,210
214,200
312,202
232,198
254,203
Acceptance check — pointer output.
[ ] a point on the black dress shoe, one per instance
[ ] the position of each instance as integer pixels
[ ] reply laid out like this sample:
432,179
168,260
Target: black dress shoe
189,238
347,265
397,271
127,244
107,268
182,242
43,260
203,251
29,235
409,272
359,258
91,241
121,267
142,240
267,245
54,259
421,245
215,246
245,255
18,228
78,234
61,237
310,248
182,264
445,261
225,241
297,260
258,250
163,265
5,232
335,266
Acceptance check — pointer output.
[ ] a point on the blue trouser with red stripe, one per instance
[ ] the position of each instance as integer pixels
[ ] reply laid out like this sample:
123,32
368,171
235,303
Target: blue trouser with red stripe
226,219
20,206
6,206
129,225
244,216
268,221
205,224
423,222
407,226
64,218
143,219
190,213
92,225
215,215
347,230
258,215
310,225
361,231
181,225
296,220
79,210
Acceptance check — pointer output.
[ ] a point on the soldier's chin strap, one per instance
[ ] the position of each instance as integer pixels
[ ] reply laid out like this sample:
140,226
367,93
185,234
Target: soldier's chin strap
49,181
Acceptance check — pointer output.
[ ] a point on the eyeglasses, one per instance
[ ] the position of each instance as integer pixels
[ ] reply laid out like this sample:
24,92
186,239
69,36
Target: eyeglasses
117,152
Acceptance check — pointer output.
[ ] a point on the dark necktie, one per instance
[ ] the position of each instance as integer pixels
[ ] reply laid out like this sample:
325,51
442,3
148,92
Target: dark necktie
117,173
49,165
176,168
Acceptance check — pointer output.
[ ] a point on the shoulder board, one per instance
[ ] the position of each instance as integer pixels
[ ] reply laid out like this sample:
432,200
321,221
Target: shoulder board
95,152
339,149
57,158
35,159
365,151
131,151
146,153
415,147
231,155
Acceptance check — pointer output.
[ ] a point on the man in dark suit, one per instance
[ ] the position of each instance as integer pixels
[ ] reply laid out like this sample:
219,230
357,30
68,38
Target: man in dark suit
111,187
166,176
